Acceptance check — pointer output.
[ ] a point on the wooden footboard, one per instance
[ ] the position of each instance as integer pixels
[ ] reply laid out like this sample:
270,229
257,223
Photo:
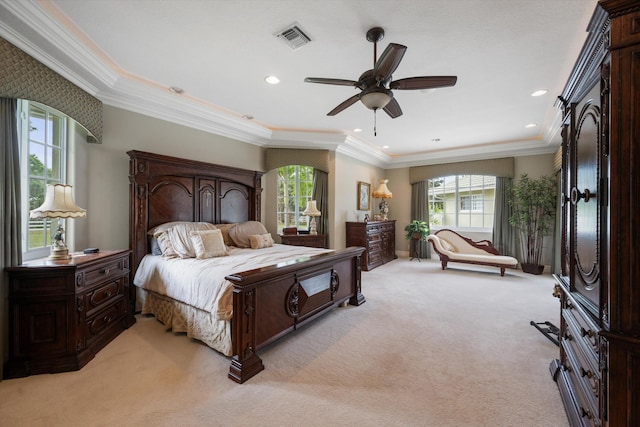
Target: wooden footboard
270,302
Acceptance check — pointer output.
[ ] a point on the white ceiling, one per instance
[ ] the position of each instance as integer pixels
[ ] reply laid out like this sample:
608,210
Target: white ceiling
129,52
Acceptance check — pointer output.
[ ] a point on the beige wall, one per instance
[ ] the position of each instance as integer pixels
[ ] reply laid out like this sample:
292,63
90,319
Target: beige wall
105,191
344,184
400,205
106,165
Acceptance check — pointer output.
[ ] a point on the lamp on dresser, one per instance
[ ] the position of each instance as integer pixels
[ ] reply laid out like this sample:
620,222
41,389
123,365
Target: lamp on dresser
312,211
382,192
58,203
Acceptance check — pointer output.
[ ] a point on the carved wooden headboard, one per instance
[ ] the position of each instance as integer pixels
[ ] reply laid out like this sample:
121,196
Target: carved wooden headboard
163,189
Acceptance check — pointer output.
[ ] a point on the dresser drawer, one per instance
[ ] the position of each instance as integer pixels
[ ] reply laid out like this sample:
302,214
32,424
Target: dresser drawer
375,259
111,316
110,269
584,387
103,295
583,329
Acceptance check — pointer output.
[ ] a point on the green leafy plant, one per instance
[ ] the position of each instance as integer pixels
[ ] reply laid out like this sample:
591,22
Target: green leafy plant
417,228
534,208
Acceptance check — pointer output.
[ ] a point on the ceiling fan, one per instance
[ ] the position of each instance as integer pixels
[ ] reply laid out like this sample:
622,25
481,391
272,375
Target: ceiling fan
376,85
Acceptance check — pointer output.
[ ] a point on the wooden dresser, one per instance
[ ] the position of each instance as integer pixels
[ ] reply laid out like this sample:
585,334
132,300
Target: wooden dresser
598,369
61,313
377,237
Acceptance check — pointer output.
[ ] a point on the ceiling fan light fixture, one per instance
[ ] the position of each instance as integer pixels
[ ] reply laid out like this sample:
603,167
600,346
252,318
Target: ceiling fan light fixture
376,99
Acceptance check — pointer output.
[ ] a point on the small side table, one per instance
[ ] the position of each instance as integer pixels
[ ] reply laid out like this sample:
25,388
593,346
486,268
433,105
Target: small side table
309,240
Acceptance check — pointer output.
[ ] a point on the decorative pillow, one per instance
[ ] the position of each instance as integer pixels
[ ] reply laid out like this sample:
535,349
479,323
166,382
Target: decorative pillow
447,246
164,227
208,243
166,248
259,241
240,232
225,233
180,239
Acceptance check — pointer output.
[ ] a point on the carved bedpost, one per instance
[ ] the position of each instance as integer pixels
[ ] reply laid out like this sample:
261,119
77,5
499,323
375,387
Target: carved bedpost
358,298
245,362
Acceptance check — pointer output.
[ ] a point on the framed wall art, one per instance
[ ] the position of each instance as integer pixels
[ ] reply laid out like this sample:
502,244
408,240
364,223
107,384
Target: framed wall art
364,196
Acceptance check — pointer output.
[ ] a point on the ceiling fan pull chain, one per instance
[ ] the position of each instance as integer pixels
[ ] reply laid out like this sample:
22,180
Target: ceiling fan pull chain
375,132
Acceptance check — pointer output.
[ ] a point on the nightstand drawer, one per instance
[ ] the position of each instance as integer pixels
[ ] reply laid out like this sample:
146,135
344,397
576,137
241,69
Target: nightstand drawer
103,295
103,320
105,271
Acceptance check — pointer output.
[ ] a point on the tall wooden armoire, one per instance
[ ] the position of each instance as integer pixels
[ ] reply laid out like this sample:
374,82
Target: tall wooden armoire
598,370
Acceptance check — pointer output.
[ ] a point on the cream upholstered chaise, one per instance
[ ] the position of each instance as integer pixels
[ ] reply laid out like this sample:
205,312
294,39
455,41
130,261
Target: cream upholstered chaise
452,247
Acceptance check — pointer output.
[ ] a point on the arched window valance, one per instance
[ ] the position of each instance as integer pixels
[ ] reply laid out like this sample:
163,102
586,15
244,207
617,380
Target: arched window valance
495,167
23,77
278,157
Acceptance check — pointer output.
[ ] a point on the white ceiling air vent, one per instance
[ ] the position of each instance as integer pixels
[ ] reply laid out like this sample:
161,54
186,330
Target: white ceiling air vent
293,36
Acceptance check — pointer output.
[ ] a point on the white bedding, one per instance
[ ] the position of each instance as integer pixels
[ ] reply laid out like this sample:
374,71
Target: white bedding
202,283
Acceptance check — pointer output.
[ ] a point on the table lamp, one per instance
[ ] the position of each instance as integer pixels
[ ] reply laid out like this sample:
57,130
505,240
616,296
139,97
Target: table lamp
312,211
382,192
58,203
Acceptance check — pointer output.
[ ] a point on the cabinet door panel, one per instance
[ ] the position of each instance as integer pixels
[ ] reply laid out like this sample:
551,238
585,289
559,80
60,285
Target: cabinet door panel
584,198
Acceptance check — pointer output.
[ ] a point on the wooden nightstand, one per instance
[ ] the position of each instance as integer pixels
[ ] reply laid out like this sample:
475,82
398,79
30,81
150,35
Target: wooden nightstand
61,313
310,240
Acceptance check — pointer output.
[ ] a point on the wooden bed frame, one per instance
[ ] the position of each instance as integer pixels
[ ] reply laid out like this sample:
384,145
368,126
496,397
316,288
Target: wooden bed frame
268,302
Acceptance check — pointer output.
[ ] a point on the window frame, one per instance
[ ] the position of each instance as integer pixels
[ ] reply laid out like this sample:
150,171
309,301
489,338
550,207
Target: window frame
459,187
53,147
300,202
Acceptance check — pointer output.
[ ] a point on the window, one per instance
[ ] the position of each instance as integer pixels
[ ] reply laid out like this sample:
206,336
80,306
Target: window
462,201
43,161
295,186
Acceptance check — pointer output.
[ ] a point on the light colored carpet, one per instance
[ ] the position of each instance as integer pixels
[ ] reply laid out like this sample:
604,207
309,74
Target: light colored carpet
428,348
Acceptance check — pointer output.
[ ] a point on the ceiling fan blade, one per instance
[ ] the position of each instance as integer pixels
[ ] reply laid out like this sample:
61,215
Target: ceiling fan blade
339,82
393,109
388,61
430,82
348,103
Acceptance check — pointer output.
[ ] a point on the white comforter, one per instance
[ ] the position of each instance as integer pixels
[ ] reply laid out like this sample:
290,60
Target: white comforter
202,283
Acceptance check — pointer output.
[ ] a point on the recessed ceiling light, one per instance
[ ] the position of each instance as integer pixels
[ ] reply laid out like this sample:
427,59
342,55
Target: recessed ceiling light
272,80
357,130
531,125
539,92
176,89
385,146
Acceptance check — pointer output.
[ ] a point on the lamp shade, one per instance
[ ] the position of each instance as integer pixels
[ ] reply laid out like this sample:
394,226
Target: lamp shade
312,209
376,98
58,203
382,192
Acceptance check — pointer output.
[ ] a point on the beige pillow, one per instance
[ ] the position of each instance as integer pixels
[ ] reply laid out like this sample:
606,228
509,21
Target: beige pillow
208,244
240,232
225,233
166,248
181,240
259,241
164,227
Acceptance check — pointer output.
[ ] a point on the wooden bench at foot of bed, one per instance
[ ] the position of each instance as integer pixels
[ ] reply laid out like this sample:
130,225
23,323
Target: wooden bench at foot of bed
272,301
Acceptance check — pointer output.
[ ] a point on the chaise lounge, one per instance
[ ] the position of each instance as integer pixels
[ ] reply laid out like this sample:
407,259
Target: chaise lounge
451,246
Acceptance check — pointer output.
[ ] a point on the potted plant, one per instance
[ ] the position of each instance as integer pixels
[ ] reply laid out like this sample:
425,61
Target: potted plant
534,207
417,230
